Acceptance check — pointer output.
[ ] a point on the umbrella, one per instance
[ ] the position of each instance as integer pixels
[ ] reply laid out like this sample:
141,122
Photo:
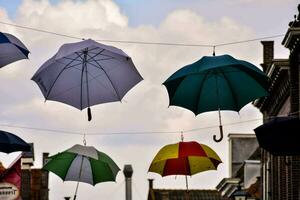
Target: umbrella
216,83
184,158
87,73
280,136
11,143
83,164
11,49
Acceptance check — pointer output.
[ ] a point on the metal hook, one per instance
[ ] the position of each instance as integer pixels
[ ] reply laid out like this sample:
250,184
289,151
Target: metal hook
221,135
84,140
181,136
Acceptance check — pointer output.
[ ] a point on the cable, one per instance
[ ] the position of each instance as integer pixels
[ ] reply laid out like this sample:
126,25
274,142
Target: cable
40,30
143,42
121,133
139,132
249,40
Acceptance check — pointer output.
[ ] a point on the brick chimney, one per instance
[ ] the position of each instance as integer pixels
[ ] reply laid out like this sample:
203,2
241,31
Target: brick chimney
268,54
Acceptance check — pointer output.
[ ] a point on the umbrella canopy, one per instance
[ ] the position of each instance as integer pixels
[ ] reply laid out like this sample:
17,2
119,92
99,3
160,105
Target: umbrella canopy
280,136
184,158
216,83
11,49
87,73
83,164
11,143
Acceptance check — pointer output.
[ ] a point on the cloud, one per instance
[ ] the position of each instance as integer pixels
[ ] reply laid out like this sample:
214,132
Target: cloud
144,108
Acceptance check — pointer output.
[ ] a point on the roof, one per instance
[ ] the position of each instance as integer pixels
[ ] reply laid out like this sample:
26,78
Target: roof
168,194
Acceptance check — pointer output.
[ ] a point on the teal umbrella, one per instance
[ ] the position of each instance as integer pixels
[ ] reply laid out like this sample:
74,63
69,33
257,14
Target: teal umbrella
216,83
83,164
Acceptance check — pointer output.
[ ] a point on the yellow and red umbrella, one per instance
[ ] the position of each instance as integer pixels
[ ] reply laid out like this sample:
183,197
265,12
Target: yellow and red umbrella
184,158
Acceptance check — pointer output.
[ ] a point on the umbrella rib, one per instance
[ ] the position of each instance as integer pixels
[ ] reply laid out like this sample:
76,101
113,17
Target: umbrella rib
93,78
99,53
231,89
105,59
91,57
59,75
71,59
74,66
108,78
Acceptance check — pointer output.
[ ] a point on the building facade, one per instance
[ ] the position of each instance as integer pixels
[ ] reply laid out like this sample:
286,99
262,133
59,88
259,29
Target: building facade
244,167
280,175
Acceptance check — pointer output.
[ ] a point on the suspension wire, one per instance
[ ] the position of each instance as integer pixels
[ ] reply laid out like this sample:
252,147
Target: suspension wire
143,42
40,30
137,132
249,40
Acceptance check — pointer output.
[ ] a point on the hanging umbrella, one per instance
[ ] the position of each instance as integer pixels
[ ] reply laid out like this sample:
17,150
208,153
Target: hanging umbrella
216,83
11,143
83,164
280,136
11,49
87,73
184,158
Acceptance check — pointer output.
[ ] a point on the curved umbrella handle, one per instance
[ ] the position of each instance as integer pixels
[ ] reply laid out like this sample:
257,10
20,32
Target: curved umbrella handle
221,135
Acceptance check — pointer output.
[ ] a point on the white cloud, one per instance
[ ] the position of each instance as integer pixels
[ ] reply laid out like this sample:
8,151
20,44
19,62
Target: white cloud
144,108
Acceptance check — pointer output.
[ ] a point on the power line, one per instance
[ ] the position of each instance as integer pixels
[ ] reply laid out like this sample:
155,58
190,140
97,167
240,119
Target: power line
143,42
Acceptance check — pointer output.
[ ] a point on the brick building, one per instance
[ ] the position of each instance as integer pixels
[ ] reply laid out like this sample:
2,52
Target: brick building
279,180
32,183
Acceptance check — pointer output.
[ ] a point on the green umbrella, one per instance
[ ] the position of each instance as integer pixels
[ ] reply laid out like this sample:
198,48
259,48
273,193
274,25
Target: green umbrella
216,83
83,164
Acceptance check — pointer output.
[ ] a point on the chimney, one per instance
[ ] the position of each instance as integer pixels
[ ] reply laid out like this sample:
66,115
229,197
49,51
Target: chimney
268,54
128,171
45,183
150,183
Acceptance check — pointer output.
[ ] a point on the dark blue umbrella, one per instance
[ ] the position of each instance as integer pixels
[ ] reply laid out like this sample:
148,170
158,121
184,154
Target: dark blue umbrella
280,136
11,143
11,49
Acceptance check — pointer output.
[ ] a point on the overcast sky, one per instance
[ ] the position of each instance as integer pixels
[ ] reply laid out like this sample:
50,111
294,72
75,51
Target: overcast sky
145,107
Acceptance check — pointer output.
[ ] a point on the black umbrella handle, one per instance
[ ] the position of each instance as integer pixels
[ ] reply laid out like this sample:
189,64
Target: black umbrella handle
89,113
221,135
